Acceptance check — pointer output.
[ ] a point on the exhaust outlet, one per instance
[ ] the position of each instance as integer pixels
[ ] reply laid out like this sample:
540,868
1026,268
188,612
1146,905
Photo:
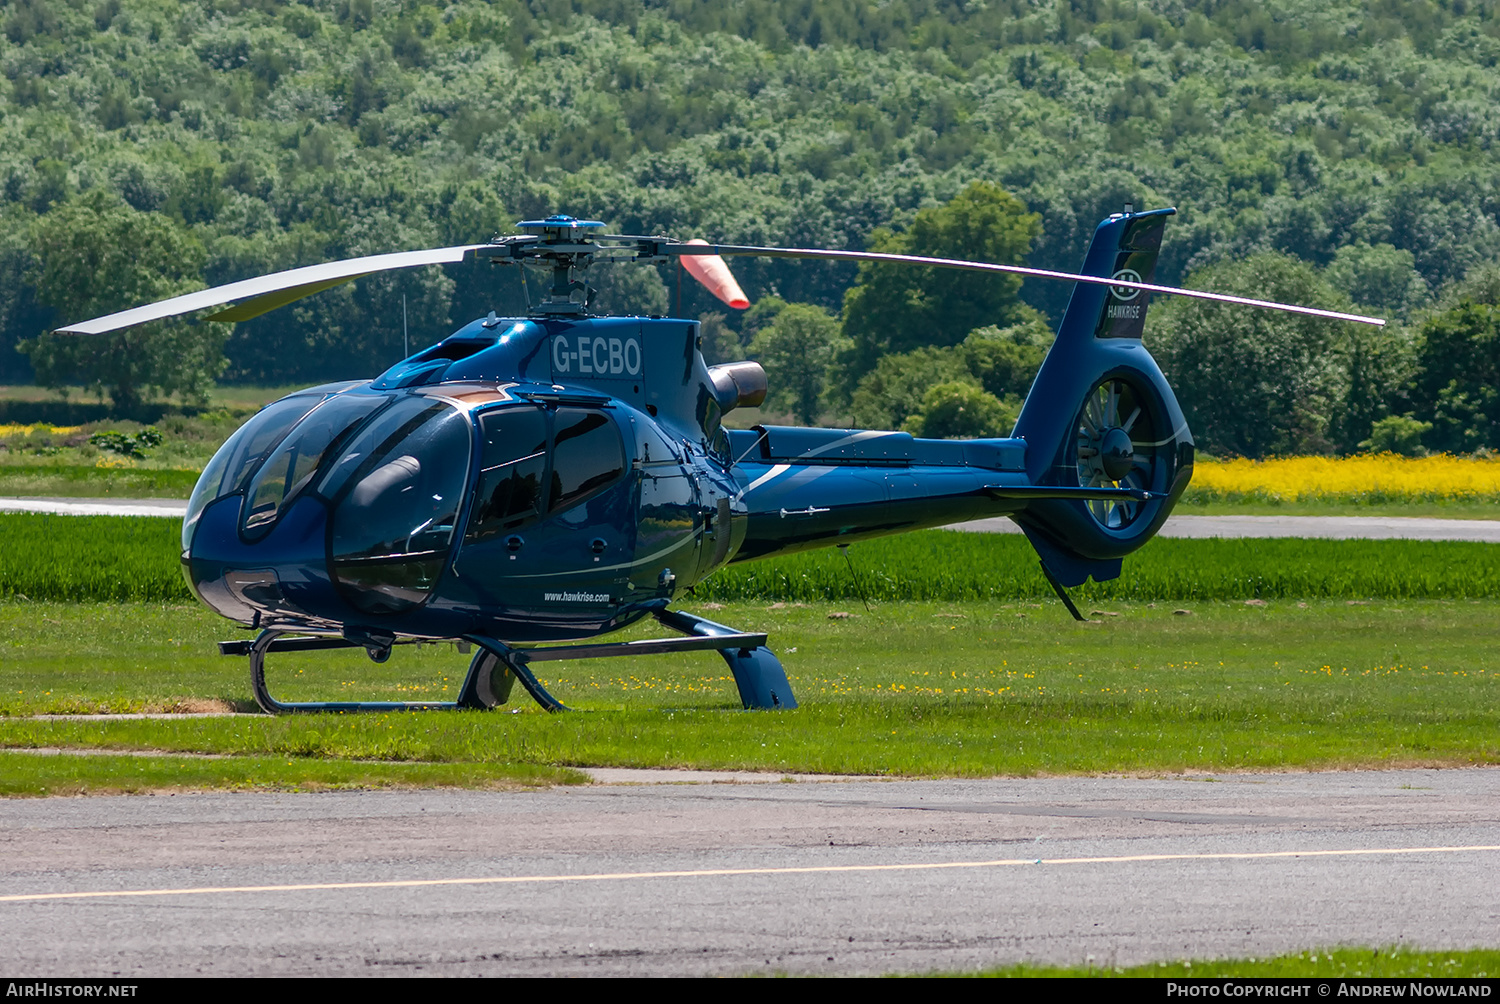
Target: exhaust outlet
738,385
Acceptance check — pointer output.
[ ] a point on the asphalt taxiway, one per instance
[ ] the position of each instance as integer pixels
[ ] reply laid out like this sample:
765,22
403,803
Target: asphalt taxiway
844,876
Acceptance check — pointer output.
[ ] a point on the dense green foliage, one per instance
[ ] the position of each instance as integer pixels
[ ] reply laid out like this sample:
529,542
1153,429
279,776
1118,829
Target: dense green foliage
960,410
1458,377
272,134
797,348
135,558
1256,382
895,308
96,255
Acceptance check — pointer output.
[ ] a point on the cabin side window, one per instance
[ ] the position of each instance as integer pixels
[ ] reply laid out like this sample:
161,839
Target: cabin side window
538,461
587,456
511,472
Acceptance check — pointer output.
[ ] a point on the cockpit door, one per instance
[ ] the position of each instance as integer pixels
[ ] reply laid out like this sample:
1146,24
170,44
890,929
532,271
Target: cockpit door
551,526
669,526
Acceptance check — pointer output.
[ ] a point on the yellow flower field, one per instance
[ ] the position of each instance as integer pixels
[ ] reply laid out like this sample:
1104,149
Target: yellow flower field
9,429
1383,477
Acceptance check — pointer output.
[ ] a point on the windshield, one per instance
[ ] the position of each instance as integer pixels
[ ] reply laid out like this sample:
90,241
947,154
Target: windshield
239,457
396,487
291,468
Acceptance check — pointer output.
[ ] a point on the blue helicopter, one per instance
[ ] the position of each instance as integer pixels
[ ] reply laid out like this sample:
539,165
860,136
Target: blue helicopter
559,476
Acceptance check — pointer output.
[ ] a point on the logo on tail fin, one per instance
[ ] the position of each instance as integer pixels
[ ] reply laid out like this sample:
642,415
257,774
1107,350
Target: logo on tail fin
1126,292
1124,314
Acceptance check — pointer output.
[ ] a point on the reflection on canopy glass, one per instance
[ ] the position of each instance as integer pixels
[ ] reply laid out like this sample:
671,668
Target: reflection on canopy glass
238,459
586,456
511,470
398,485
292,467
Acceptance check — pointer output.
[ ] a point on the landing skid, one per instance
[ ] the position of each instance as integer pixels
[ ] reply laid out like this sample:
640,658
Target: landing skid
496,667
757,672
279,641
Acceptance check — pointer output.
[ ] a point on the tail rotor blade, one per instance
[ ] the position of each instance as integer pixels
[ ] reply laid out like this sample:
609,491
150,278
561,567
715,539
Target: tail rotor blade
713,272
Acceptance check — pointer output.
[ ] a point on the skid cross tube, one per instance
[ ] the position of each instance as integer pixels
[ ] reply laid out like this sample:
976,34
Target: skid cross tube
517,659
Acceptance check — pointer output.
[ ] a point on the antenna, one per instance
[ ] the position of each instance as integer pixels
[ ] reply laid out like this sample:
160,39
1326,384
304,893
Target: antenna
405,342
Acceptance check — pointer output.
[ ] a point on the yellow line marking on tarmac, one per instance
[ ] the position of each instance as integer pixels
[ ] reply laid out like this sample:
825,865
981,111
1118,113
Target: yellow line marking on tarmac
726,872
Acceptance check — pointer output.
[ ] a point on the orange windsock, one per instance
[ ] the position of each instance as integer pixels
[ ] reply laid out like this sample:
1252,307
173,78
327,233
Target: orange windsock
711,270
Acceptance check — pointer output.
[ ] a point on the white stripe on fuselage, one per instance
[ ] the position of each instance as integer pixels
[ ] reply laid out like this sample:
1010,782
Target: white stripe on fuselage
774,472
780,469
854,438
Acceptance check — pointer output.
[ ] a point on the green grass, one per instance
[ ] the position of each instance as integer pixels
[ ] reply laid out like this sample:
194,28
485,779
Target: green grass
220,397
75,481
89,558
47,462
913,689
30,774
943,565
1331,963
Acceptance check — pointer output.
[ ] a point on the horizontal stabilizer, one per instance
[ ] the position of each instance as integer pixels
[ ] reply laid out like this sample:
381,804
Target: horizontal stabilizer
1058,492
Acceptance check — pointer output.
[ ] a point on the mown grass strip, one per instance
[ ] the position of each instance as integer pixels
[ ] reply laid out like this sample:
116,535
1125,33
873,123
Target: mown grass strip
78,481
45,774
1329,963
972,689
942,565
909,689
905,738
98,558
95,558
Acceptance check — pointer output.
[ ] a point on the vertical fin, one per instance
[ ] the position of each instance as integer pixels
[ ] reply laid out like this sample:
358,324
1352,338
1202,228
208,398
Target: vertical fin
1097,318
1124,314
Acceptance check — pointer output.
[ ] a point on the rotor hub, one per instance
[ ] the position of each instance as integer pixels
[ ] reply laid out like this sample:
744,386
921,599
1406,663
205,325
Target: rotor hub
1116,453
559,227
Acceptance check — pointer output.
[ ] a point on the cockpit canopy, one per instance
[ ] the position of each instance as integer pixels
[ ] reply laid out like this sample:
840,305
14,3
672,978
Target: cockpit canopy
392,470
396,487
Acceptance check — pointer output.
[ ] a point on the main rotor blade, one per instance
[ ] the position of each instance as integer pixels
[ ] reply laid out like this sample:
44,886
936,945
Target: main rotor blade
1041,273
269,291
